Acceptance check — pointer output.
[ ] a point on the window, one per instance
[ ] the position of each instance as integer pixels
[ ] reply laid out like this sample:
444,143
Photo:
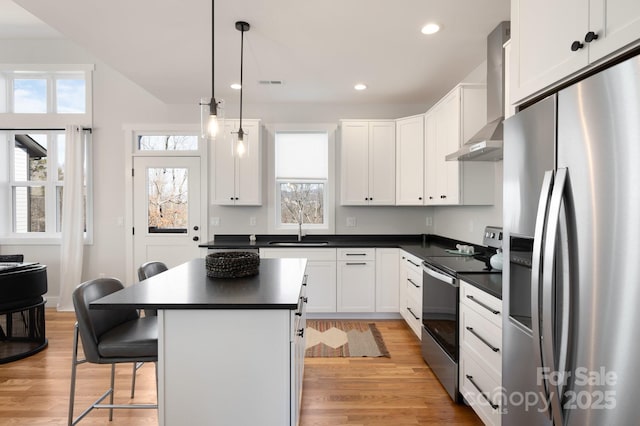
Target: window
32,162
36,182
43,92
301,177
167,143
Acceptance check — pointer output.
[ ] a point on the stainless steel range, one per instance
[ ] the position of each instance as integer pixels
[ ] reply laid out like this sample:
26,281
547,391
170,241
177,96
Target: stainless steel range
440,304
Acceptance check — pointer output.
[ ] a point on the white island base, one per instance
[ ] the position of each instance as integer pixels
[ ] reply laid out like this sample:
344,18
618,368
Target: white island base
229,367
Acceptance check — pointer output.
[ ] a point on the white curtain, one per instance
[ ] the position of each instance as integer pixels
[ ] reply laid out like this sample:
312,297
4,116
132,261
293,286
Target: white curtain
71,250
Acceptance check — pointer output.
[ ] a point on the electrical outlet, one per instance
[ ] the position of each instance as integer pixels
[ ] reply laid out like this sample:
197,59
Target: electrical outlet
351,222
429,221
215,221
252,221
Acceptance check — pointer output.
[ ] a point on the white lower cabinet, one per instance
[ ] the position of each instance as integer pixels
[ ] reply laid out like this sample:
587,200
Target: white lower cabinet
321,274
387,280
481,352
411,291
356,280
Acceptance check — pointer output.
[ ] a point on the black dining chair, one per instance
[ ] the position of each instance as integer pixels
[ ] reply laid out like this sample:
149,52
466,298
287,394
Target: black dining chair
109,336
146,270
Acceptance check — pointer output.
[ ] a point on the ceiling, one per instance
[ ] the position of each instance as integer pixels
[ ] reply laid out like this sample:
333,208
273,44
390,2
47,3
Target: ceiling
318,49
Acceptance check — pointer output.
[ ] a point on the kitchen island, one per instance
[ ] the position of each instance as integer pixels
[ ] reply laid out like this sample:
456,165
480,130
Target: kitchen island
230,351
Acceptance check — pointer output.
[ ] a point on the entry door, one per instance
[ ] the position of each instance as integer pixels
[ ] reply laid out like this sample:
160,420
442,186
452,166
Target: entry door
166,209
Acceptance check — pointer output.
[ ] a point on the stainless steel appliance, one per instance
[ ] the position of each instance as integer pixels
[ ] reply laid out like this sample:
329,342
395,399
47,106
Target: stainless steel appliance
440,305
571,281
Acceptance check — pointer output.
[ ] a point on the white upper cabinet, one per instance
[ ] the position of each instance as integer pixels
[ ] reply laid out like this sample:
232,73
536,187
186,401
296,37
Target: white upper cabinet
410,161
554,39
237,181
367,162
449,124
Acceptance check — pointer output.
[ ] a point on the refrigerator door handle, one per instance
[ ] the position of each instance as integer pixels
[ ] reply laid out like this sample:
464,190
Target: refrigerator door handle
548,307
536,272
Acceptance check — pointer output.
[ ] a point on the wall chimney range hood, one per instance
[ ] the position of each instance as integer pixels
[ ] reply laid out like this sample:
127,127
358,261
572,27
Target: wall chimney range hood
486,144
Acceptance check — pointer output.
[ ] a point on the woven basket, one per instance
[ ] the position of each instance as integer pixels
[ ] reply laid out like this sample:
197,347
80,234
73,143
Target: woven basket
232,264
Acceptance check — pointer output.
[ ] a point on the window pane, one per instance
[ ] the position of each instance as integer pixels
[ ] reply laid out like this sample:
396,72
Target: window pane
168,200
29,95
308,197
70,96
167,143
28,210
30,158
60,144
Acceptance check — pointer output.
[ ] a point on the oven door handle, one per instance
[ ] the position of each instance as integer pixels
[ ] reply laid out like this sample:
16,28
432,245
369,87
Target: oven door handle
439,276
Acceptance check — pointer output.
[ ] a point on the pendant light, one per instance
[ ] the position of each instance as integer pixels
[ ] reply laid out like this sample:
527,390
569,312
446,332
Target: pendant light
211,109
240,145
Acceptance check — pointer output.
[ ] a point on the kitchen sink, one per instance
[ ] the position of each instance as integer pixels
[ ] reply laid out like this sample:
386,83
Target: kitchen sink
299,243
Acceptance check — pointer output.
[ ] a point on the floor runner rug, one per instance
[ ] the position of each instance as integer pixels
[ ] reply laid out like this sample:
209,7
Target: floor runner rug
325,338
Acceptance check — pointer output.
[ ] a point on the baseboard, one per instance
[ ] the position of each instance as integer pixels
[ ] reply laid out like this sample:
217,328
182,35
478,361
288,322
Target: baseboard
354,315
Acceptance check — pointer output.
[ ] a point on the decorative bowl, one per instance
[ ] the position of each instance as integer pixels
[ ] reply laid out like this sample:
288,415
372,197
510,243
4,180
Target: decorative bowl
233,264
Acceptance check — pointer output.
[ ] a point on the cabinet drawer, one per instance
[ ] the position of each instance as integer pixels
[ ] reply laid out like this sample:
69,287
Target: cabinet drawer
411,262
485,304
308,253
482,339
414,286
413,316
480,390
356,254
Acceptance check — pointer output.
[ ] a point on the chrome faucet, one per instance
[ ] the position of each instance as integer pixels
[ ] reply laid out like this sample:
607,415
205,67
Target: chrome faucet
300,220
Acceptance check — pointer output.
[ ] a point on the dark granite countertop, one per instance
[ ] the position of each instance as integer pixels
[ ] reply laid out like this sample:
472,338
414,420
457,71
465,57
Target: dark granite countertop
277,286
490,283
420,245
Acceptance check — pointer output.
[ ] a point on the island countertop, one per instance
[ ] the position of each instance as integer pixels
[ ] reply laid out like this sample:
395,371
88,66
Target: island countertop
187,286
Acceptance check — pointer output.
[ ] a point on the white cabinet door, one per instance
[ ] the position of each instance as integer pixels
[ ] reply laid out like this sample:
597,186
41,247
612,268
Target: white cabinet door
354,157
382,163
321,286
387,280
237,181
431,160
617,24
542,34
448,140
410,161
367,155
356,286
321,274
249,168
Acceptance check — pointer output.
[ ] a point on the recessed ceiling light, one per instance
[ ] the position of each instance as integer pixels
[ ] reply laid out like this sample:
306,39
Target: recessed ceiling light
360,86
431,28
236,86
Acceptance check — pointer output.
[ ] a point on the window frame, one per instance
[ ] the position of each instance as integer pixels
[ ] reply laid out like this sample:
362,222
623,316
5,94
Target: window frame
274,224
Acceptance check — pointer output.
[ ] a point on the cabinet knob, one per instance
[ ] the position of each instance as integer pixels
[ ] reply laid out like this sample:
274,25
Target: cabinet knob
195,228
576,45
370,198
366,198
196,238
430,197
231,198
419,198
590,36
237,198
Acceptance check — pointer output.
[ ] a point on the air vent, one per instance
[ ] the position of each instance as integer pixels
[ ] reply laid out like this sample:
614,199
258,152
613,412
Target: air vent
271,82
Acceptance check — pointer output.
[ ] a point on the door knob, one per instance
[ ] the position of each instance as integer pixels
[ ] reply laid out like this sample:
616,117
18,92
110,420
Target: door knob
590,36
576,45
196,238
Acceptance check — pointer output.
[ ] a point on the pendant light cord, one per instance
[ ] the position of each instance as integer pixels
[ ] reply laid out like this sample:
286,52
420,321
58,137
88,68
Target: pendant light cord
213,51
242,30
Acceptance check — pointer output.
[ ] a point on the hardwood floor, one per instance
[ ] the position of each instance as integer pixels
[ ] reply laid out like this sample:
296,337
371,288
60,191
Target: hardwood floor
400,390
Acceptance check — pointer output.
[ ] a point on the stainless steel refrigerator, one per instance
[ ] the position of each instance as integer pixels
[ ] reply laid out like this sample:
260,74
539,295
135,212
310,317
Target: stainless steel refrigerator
571,281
